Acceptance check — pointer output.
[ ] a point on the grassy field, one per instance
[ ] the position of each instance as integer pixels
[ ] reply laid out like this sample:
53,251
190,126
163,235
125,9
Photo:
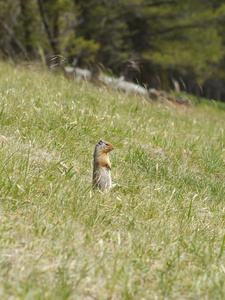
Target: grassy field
160,235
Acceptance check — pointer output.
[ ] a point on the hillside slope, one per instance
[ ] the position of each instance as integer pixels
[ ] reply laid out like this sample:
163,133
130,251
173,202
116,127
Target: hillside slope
160,234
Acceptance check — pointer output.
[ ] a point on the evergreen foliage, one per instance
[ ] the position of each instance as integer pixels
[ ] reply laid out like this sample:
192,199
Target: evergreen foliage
143,38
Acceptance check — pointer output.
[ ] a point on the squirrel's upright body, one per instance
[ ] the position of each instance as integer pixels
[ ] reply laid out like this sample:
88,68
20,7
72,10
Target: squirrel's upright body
102,166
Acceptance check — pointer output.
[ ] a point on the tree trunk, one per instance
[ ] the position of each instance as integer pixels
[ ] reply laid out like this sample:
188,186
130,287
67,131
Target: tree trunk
14,38
26,25
52,42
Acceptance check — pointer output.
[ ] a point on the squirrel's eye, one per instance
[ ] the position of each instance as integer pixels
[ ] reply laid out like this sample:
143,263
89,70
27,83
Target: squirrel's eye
107,144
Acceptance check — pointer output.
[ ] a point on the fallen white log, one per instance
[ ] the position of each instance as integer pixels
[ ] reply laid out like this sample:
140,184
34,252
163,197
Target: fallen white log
130,87
125,86
80,74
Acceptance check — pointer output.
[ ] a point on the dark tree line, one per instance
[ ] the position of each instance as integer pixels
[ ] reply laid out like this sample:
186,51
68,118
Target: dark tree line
154,42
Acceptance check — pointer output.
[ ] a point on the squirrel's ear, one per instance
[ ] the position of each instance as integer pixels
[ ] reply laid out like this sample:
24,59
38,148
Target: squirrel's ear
100,142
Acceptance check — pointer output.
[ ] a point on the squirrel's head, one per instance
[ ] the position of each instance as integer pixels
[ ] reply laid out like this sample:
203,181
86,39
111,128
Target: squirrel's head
104,147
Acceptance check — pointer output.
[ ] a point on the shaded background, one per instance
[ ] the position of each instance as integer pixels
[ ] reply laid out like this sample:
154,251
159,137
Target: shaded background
161,44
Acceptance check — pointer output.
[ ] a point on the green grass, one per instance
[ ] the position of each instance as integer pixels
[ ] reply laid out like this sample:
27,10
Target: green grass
160,235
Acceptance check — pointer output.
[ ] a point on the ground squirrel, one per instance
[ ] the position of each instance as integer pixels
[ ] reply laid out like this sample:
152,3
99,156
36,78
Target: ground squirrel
102,166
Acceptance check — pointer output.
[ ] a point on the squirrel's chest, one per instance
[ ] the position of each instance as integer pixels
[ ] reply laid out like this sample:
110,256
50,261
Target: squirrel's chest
102,177
104,171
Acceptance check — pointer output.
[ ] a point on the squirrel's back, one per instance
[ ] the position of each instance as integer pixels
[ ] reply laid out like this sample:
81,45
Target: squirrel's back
102,165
